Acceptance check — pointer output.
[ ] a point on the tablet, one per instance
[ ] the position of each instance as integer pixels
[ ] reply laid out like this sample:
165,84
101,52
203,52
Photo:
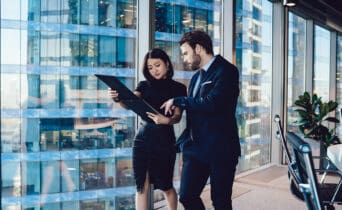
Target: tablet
133,102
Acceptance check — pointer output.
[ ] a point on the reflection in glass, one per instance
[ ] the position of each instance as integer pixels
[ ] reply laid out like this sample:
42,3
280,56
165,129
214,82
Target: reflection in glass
30,178
30,10
124,172
50,11
51,171
107,52
339,82
10,135
69,12
69,92
11,179
10,9
321,62
10,46
33,48
70,49
177,19
93,204
96,174
50,91
88,50
296,66
50,43
126,14
30,134
10,91
60,132
172,20
125,202
254,60
70,173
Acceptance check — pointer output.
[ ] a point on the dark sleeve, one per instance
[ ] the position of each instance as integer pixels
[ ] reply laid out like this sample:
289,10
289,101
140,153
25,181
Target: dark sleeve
180,90
141,87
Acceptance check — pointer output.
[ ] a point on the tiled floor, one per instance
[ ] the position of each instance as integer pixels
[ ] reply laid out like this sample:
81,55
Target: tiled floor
267,189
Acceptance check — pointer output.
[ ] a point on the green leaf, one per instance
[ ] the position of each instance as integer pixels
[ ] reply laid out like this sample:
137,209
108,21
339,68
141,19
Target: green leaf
332,119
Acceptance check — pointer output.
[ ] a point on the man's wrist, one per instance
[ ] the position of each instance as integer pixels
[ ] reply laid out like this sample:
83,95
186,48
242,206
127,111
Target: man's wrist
178,101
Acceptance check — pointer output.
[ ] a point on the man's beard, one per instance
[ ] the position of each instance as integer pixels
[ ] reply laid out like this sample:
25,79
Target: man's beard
194,65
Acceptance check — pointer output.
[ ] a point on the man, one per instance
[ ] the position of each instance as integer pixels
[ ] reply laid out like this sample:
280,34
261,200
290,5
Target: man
210,141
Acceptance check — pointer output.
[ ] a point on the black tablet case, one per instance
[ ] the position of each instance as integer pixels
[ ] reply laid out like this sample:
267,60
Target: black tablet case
127,97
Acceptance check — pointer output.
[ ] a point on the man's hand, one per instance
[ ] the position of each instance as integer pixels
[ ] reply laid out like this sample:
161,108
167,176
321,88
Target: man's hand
168,105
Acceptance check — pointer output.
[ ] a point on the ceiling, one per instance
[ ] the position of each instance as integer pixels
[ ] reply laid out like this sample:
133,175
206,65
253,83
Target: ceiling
327,12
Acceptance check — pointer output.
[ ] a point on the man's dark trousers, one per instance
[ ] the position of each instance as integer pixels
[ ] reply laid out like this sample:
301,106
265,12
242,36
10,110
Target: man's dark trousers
194,177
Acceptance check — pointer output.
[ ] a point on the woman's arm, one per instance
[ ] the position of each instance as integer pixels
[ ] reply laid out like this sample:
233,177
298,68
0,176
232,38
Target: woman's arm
161,119
115,96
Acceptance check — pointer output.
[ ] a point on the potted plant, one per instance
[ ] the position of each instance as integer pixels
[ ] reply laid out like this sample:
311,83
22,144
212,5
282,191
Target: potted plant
313,118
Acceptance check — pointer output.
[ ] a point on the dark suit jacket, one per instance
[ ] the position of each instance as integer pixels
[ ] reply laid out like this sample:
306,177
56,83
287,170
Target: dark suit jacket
211,131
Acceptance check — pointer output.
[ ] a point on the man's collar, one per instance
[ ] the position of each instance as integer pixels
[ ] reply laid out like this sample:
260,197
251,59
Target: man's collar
207,65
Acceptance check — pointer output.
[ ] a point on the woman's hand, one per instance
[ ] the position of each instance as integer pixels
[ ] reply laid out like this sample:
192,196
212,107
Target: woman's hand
158,118
113,94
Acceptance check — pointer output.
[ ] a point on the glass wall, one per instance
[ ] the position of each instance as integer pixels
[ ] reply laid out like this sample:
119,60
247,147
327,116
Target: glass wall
321,63
339,81
172,20
296,66
64,143
253,43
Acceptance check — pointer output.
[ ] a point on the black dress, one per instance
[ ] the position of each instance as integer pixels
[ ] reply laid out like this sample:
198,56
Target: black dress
154,145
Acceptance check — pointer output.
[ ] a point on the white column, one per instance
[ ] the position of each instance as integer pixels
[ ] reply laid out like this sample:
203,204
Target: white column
228,30
279,77
145,42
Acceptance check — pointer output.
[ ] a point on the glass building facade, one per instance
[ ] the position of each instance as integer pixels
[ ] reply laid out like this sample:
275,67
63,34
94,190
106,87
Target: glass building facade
339,81
321,71
296,66
253,32
66,145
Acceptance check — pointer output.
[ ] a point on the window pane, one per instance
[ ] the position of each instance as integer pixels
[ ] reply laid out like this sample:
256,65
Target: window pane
32,44
50,48
10,46
10,9
50,11
88,50
70,172
30,178
174,19
339,81
321,62
70,48
10,135
50,177
49,91
254,60
30,135
11,182
70,11
10,91
30,10
296,66
107,51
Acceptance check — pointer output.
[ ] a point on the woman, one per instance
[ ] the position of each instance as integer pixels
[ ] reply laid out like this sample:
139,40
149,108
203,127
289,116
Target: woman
154,152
